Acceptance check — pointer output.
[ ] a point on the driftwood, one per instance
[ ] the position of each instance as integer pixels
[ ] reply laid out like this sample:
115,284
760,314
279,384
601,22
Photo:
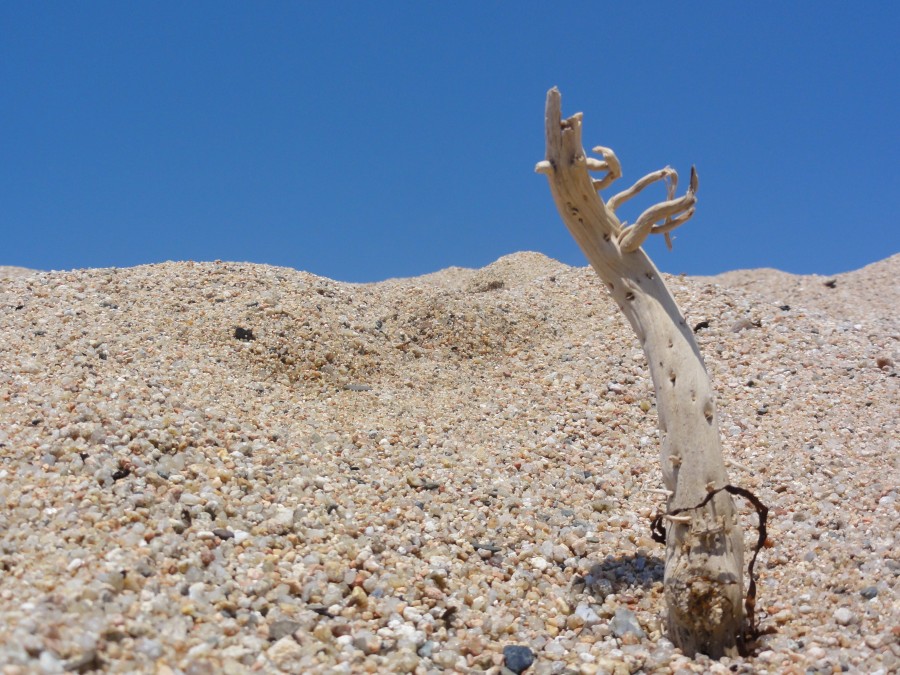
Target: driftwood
704,546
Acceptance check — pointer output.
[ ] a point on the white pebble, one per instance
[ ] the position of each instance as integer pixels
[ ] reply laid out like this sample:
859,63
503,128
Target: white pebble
844,616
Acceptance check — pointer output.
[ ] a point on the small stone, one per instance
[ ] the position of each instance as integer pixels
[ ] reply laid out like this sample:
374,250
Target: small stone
784,616
403,660
587,615
281,521
873,641
356,386
367,642
358,597
284,652
282,628
574,622
539,563
446,658
844,616
334,571
602,505
50,663
222,533
517,658
561,553
555,649
625,622
869,592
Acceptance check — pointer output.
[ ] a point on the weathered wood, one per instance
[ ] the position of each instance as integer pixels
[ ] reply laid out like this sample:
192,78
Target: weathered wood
704,547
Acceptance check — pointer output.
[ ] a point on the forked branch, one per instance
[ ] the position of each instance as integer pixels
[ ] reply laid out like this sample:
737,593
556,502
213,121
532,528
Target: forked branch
661,218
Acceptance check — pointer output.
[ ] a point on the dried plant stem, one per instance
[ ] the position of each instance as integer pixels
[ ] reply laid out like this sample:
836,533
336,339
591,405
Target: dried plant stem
704,549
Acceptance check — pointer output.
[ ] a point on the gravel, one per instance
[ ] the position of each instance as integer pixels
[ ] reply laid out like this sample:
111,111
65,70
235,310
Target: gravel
226,467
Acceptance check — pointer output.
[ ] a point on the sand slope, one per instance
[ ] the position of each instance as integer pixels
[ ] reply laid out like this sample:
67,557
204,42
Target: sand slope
412,475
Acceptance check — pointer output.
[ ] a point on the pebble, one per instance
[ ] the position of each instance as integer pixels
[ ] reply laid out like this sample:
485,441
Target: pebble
625,622
404,660
517,658
196,503
844,616
869,592
587,615
284,652
539,563
283,628
367,642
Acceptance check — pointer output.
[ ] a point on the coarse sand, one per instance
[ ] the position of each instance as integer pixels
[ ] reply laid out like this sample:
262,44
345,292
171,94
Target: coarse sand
229,468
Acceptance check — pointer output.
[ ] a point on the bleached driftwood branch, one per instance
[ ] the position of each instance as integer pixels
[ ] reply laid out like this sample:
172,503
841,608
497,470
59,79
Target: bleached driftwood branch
704,546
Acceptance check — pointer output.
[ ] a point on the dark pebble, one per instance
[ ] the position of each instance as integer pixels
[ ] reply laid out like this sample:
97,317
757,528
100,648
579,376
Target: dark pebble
358,387
517,658
486,546
222,533
88,662
245,334
869,592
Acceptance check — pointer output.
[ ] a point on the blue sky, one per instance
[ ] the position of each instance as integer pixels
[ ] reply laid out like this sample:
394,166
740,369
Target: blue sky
365,140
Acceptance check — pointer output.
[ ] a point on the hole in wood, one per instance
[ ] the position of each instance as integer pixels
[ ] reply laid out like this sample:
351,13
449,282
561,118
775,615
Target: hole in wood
629,295
672,377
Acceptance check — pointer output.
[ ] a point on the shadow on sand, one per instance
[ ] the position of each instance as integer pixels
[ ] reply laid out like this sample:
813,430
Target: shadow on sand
617,574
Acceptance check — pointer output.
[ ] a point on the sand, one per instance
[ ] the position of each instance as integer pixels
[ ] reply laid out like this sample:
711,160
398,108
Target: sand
228,468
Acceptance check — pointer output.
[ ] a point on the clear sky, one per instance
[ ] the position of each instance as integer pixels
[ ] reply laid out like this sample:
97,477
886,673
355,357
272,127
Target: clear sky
367,140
